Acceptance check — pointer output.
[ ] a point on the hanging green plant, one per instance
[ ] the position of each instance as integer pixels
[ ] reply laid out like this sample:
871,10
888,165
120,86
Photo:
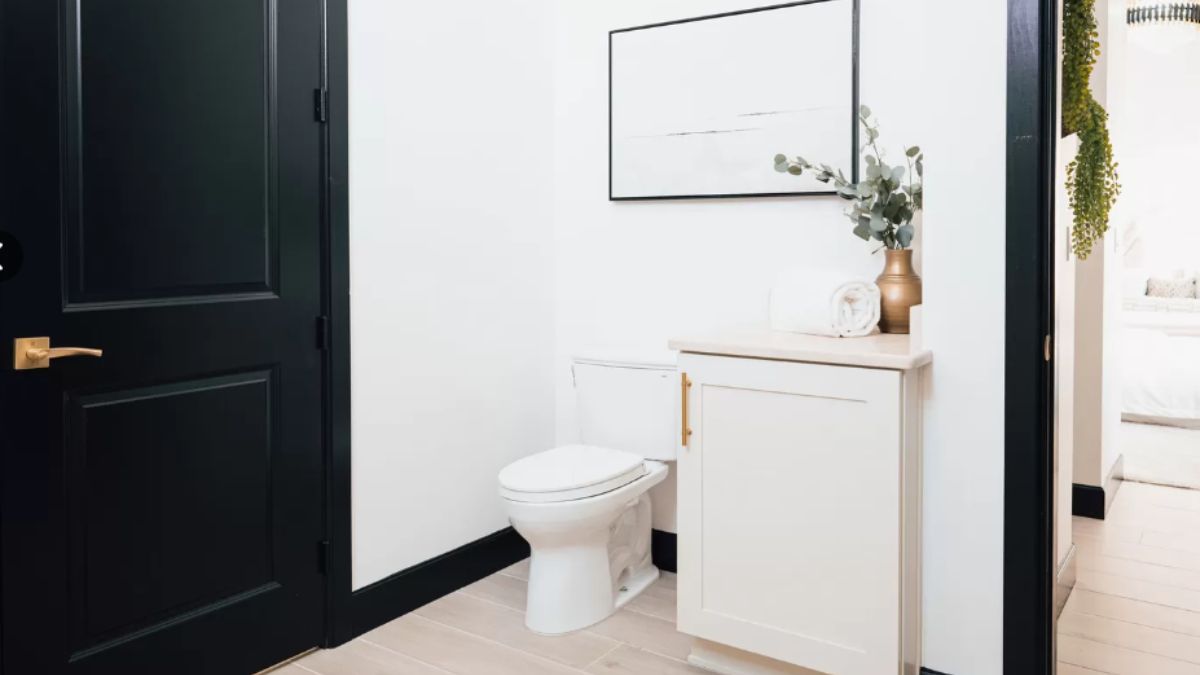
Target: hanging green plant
1092,181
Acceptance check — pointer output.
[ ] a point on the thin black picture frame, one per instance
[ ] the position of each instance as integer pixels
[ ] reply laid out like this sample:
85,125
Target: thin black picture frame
854,103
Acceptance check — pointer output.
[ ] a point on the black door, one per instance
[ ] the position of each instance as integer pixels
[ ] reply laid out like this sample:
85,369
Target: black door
162,505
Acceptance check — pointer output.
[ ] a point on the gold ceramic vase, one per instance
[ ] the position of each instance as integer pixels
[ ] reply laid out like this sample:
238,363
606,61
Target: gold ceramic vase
901,290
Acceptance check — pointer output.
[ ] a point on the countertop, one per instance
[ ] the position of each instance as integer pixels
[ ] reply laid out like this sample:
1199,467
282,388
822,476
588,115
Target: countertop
890,352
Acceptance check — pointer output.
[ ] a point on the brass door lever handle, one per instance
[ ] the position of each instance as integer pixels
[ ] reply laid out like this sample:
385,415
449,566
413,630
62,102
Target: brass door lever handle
30,353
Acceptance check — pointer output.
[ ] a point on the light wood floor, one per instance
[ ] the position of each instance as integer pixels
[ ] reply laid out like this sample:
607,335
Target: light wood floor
480,630
1135,609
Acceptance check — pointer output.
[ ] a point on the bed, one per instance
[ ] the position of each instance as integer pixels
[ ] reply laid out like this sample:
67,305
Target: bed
1160,378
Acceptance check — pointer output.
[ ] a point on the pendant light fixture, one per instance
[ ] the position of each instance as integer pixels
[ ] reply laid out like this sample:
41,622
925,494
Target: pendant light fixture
1160,12
1163,26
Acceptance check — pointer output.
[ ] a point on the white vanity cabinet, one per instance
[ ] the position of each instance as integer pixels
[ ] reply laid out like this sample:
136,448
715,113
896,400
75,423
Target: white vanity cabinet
799,503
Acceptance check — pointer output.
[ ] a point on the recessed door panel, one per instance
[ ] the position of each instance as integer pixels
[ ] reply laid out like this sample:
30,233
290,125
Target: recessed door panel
171,490
171,152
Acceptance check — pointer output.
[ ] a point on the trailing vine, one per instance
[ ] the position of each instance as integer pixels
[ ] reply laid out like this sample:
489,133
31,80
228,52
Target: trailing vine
1092,180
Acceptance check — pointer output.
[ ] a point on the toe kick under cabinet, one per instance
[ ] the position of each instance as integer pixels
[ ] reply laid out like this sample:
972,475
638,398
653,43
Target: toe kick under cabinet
800,503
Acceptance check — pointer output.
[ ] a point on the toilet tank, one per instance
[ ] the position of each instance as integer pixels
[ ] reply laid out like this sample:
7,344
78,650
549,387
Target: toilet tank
629,403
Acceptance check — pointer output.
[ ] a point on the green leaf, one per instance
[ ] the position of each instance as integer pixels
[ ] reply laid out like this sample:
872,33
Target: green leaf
864,111
898,173
863,230
913,151
795,170
904,235
780,159
870,160
874,171
877,222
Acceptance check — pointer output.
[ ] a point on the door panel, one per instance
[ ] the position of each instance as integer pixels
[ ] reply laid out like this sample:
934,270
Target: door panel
161,507
144,460
170,147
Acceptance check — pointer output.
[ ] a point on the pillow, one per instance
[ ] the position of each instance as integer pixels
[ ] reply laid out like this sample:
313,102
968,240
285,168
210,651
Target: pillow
1164,287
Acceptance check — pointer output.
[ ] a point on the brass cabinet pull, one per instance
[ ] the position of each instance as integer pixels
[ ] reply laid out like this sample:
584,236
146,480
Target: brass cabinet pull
685,430
30,353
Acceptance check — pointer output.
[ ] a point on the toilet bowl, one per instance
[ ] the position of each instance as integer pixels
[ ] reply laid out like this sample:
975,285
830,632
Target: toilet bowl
589,554
585,509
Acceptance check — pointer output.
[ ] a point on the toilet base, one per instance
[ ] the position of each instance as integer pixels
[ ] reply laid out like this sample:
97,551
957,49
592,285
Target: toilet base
589,557
636,583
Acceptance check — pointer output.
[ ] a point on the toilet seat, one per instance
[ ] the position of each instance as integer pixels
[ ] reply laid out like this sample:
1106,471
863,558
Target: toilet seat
568,473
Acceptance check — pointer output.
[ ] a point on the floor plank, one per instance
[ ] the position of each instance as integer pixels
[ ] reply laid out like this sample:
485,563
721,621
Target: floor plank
1089,545
1137,589
626,660
1083,601
646,632
1131,636
458,651
288,669
1105,529
1133,569
1112,659
500,588
1071,669
507,626
361,658
658,600
518,570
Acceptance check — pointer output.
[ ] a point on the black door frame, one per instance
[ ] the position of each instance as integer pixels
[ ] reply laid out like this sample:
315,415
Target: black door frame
1029,376
338,551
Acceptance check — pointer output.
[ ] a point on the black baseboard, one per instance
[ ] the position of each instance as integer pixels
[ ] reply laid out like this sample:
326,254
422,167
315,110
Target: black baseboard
1091,501
1087,501
664,549
416,586
930,671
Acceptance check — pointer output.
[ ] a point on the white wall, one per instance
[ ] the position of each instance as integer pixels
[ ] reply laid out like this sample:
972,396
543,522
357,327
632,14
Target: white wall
630,275
1156,146
963,103
1098,279
450,227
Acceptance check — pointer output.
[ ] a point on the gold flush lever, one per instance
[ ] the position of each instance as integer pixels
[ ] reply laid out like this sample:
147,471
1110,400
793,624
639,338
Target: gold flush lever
30,353
685,431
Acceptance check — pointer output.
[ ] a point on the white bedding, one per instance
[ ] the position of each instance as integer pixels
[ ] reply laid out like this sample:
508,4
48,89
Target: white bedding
1160,378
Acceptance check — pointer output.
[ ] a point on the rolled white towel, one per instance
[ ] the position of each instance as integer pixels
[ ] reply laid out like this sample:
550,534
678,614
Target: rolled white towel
820,302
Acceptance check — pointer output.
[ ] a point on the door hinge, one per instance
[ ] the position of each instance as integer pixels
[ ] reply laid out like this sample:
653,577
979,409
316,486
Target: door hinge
1048,348
324,330
321,105
323,557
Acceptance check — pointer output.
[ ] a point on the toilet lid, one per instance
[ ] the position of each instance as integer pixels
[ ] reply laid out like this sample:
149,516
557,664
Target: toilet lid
570,472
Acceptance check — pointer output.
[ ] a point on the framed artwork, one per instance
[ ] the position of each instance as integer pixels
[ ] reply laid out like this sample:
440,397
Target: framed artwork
698,108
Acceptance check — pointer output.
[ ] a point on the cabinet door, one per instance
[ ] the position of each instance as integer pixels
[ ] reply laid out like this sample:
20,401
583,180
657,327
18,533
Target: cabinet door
790,512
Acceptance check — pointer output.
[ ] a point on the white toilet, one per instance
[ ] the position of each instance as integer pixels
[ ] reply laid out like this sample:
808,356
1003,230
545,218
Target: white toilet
584,509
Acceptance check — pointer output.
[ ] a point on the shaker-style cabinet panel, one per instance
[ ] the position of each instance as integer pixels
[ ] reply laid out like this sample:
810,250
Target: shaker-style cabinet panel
799,513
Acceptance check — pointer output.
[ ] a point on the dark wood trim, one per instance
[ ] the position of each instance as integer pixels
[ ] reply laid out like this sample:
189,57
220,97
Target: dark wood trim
338,624
664,549
1091,501
1029,564
401,593
1087,501
854,133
